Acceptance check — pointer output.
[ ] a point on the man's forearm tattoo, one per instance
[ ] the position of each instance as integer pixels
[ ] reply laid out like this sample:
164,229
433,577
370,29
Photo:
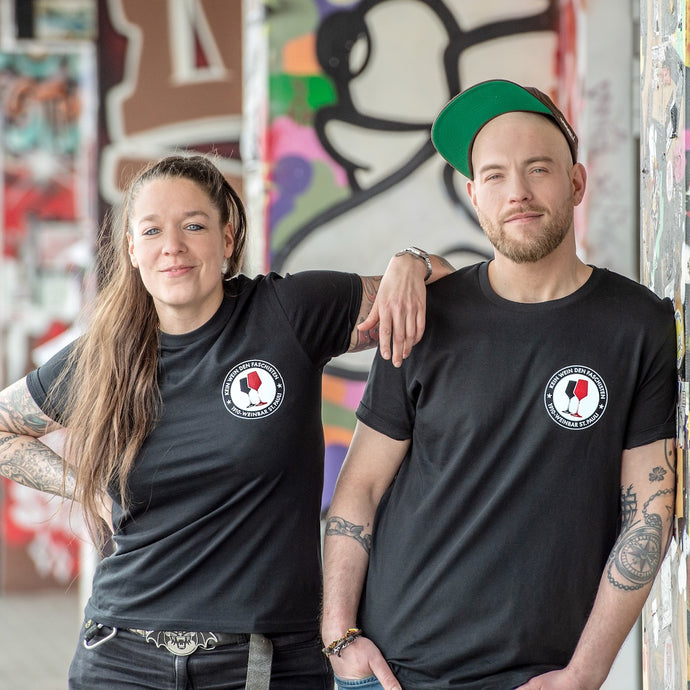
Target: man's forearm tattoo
657,474
636,556
367,339
670,455
340,526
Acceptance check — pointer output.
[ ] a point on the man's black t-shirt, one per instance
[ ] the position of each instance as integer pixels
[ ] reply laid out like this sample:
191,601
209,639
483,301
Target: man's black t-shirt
489,545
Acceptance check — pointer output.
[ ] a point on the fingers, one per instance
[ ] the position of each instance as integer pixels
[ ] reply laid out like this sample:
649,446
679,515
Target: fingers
372,320
399,332
361,660
384,674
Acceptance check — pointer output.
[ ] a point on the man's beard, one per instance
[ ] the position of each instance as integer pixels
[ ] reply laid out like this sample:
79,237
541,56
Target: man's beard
529,249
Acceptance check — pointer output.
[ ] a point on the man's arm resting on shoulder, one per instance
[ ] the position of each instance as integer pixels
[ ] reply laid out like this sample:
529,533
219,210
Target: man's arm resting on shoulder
370,465
647,502
393,306
23,457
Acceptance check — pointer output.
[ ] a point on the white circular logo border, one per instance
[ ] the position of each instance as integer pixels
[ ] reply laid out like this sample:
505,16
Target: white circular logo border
588,410
269,395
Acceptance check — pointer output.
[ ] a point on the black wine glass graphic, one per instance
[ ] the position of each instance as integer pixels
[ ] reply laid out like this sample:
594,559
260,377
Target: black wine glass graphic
570,392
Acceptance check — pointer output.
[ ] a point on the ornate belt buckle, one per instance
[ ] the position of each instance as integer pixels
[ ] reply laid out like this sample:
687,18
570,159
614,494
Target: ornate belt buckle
181,643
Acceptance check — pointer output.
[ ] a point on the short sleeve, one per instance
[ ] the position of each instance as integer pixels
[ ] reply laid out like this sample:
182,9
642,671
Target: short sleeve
653,413
322,307
41,382
388,404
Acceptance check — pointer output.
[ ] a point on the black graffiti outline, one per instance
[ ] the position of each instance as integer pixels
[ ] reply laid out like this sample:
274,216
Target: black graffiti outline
335,63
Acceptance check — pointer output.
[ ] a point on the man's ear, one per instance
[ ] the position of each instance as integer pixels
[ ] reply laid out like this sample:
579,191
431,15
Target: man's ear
579,182
471,193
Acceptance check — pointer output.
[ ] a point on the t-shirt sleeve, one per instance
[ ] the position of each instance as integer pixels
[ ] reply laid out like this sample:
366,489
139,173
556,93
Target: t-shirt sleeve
41,382
388,403
653,413
322,307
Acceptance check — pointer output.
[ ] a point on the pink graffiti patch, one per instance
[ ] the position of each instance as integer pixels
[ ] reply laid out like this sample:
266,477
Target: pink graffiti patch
287,138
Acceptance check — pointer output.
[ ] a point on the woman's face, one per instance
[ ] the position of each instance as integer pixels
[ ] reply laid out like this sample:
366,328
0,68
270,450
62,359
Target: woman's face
179,245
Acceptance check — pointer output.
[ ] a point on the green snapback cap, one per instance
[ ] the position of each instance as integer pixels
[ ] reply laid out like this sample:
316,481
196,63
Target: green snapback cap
457,125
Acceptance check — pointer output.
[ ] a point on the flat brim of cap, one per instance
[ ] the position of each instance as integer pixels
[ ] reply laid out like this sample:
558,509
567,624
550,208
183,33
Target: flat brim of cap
456,126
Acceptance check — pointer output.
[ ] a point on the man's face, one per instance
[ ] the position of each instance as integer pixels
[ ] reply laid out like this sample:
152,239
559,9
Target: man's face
525,185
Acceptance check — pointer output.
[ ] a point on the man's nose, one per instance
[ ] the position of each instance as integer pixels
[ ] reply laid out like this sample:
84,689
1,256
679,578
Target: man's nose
519,189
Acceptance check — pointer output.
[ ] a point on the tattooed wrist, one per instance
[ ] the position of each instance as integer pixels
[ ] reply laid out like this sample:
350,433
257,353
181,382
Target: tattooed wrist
337,525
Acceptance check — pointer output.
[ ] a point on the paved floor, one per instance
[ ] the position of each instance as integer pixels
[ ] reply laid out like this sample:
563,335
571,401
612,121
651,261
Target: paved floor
38,633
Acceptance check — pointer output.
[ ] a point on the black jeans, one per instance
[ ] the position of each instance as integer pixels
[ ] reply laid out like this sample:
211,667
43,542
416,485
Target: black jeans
127,661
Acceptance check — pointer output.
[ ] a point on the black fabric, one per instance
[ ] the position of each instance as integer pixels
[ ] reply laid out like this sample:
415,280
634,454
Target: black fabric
489,545
223,531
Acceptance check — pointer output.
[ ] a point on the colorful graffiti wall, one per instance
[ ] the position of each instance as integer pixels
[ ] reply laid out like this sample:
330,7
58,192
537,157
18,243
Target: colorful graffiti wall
352,174
326,129
664,266
48,227
170,78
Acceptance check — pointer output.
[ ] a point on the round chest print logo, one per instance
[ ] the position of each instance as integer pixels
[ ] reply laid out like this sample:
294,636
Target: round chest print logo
575,397
253,389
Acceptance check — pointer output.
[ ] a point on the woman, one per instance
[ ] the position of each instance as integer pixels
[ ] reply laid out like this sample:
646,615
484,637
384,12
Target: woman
193,403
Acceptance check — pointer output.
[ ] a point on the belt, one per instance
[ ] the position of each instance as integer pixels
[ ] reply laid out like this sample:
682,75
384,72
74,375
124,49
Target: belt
184,643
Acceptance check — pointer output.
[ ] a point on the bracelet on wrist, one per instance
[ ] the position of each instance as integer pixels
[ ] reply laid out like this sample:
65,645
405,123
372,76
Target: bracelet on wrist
421,255
337,646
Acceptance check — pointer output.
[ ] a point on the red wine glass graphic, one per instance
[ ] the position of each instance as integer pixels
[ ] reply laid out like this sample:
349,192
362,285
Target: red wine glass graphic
250,385
580,392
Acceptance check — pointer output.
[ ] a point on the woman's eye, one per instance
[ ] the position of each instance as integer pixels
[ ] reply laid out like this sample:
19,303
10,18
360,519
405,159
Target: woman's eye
150,231
195,226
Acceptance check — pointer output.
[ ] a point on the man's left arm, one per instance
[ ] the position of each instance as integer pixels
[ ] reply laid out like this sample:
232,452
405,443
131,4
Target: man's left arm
648,476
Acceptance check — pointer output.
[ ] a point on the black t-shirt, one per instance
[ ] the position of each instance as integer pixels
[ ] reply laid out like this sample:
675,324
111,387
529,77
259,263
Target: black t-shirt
489,545
223,530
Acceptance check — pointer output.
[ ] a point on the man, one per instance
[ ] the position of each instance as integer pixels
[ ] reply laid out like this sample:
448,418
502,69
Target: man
508,494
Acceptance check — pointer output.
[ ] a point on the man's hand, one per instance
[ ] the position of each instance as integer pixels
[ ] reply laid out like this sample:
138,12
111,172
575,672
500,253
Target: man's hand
362,659
558,680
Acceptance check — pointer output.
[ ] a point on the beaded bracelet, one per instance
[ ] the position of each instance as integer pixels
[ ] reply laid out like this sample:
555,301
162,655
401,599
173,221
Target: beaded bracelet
337,646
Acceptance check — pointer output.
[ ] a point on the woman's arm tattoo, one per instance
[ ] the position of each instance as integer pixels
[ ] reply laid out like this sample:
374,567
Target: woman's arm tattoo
27,461
23,457
21,415
340,526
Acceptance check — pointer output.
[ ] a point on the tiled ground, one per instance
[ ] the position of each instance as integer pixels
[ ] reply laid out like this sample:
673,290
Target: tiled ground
38,633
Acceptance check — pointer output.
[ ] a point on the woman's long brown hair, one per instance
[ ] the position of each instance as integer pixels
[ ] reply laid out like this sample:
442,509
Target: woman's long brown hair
113,396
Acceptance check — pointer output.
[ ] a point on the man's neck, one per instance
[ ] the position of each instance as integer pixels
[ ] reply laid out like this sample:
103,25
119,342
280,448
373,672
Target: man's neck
545,280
